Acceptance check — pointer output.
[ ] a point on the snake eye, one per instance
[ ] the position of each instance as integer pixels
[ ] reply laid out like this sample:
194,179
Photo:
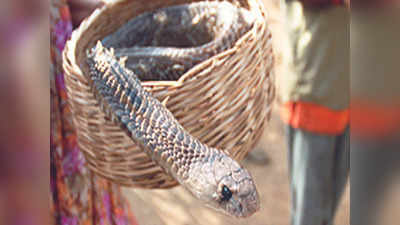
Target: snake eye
226,193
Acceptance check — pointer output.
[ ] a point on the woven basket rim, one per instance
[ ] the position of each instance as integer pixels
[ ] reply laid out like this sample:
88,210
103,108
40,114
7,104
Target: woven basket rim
76,35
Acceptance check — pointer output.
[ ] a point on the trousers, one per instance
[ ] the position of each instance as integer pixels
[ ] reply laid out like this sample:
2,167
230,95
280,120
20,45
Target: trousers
318,172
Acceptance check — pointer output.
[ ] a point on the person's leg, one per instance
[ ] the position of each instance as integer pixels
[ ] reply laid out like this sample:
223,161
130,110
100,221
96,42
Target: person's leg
318,171
290,131
342,166
372,165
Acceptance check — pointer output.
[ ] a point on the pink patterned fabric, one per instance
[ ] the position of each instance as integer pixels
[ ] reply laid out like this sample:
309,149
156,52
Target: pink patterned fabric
78,197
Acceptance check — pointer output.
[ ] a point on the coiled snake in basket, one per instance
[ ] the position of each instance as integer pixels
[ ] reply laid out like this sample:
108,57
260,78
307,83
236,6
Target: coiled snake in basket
163,45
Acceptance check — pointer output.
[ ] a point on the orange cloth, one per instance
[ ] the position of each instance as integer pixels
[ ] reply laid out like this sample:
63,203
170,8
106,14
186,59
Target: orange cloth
374,120
315,118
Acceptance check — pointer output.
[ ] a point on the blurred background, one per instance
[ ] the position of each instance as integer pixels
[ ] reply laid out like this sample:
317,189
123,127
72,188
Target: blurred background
25,127
24,112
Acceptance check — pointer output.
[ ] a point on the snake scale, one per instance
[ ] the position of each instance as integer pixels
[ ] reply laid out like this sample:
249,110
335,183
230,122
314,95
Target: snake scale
142,51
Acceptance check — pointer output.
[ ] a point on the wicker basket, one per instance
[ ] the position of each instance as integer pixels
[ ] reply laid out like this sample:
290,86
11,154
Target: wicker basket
224,101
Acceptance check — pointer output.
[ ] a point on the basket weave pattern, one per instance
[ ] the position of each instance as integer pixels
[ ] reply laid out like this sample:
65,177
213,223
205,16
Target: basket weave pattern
224,101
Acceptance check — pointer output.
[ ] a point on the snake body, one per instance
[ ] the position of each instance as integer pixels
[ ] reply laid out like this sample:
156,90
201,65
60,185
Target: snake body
208,173
164,44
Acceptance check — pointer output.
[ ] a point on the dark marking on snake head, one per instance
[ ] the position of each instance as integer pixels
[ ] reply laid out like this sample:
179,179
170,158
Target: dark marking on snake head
226,193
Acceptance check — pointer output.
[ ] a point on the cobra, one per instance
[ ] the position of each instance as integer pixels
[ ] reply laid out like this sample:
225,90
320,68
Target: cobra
209,174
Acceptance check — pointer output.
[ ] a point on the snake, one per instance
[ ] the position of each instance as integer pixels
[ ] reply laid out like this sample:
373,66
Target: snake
210,174
166,43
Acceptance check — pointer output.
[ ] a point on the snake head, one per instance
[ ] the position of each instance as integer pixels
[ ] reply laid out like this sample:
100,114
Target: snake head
225,186
236,194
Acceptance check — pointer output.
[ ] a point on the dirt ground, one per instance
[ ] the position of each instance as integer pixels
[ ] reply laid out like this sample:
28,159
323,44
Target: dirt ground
178,207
